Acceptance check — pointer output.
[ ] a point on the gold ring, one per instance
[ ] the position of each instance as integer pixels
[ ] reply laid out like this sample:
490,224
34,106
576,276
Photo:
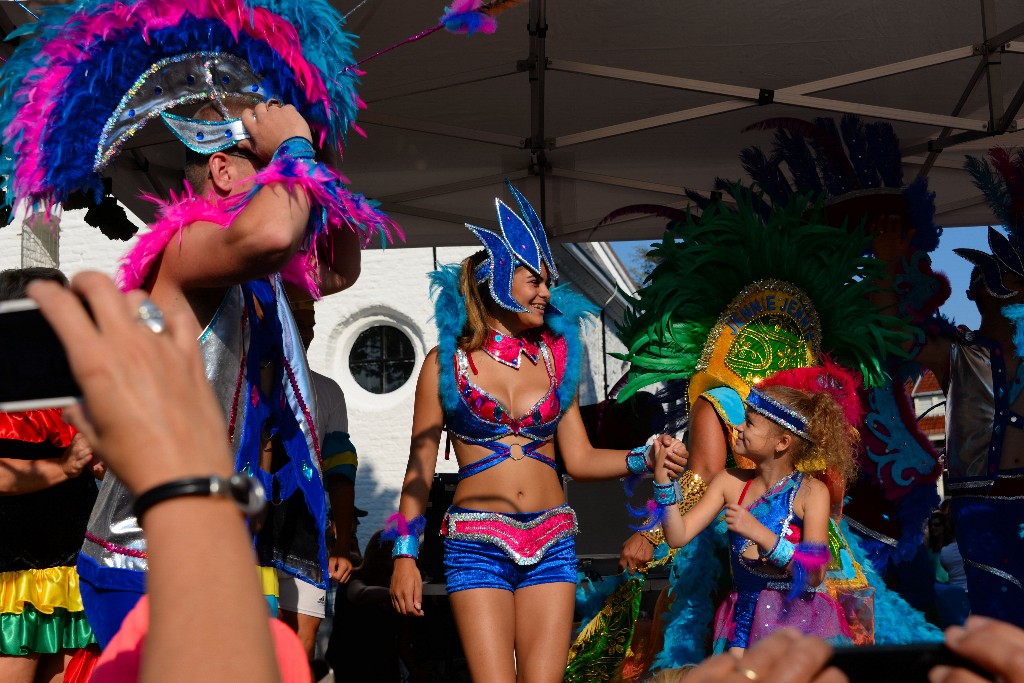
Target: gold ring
747,673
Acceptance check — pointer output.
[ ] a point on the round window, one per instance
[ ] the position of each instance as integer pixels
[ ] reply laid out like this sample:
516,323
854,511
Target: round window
382,359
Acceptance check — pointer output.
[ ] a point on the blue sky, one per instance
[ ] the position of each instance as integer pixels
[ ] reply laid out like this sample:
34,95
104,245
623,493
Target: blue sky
958,308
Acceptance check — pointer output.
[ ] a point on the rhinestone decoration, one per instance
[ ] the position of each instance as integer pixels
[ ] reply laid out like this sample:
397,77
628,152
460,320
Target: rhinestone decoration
182,79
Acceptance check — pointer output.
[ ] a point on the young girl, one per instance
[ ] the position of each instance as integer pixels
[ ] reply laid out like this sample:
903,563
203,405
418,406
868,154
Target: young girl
778,517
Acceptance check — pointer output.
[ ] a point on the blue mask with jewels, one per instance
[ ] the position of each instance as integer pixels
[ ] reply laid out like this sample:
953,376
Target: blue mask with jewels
522,242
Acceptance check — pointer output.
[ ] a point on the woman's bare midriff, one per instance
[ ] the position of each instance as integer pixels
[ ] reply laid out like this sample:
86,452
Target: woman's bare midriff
524,485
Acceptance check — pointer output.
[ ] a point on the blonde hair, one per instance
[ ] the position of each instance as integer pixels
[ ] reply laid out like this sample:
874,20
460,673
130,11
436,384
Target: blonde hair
834,439
477,298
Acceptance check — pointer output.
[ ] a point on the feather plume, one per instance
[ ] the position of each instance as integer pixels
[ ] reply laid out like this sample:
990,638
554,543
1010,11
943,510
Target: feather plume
791,148
992,187
856,141
467,16
808,558
766,174
703,264
667,212
496,7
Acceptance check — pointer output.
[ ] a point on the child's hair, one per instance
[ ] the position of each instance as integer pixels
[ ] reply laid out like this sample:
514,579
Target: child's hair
834,438
476,296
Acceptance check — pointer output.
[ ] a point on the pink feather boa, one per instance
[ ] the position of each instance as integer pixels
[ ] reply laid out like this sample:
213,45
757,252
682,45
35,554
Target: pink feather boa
332,208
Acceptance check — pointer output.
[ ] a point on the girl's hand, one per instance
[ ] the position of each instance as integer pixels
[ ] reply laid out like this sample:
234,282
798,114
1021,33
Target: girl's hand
669,455
739,520
407,587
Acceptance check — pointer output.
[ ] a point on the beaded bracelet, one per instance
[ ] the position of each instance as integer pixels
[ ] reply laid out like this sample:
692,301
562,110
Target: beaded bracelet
637,462
781,553
666,494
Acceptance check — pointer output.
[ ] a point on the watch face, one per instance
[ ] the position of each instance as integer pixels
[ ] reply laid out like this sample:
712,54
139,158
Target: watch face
249,493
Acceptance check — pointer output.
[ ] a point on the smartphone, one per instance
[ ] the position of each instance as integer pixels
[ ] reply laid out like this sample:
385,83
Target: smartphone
899,663
34,370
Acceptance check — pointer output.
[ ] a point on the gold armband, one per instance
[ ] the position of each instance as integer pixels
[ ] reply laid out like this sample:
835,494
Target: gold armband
691,488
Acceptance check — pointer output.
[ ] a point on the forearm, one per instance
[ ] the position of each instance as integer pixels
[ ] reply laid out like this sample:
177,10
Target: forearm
28,476
228,628
595,464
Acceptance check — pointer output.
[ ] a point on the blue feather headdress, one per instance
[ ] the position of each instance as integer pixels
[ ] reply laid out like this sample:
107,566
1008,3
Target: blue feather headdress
855,167
88,76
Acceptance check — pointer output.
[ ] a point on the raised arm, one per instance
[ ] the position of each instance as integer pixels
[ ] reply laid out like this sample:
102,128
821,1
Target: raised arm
265,235
681,529
427,424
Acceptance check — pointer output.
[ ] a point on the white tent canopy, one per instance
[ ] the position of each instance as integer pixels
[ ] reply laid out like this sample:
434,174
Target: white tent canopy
589,105
631,102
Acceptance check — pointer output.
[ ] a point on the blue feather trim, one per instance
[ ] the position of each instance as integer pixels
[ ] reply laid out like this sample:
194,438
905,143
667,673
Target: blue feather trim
572,317
696,570
896,622
1015,314
450,318
566,317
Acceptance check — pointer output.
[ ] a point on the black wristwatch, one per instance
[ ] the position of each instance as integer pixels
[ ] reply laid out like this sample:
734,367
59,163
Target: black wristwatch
247,492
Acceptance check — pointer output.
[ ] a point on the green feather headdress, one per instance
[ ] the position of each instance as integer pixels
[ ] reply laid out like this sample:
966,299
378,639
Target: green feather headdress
705,263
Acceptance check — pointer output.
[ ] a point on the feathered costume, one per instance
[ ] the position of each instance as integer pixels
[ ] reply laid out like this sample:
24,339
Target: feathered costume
773,247
982,408
79,88
855,168
489,549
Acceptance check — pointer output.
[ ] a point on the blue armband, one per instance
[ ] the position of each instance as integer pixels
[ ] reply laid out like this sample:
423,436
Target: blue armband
666,494
297,148
781,553
637,462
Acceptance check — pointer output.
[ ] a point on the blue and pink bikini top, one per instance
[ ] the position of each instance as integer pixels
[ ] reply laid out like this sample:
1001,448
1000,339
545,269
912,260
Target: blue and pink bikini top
480,419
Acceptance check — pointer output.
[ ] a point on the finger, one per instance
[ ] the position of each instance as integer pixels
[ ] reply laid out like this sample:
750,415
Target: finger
75,415
417,596
718,668
791,658
996,646
107,304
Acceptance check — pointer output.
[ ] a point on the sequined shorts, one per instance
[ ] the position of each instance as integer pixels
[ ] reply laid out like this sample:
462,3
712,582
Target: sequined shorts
508,551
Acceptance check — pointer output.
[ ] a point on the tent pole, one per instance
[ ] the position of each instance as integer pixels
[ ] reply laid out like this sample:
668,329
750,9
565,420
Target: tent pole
538,69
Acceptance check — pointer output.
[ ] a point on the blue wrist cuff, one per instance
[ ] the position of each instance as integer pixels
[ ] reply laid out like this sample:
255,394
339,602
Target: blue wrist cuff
636,460
297,148
666,494
781,554
406,546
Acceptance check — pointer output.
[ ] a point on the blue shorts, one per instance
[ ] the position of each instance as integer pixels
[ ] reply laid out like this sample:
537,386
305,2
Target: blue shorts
472,564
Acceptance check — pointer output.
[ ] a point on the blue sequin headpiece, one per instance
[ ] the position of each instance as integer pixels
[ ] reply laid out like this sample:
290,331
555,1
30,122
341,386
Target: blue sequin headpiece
778,412
521,243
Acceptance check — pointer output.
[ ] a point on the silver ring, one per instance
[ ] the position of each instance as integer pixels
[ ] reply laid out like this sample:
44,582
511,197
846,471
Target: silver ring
151,316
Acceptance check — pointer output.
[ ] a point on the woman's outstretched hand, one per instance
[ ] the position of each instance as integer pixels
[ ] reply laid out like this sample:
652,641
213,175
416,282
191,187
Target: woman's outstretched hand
407,587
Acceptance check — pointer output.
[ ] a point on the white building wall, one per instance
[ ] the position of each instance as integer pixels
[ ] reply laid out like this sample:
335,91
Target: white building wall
392,289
